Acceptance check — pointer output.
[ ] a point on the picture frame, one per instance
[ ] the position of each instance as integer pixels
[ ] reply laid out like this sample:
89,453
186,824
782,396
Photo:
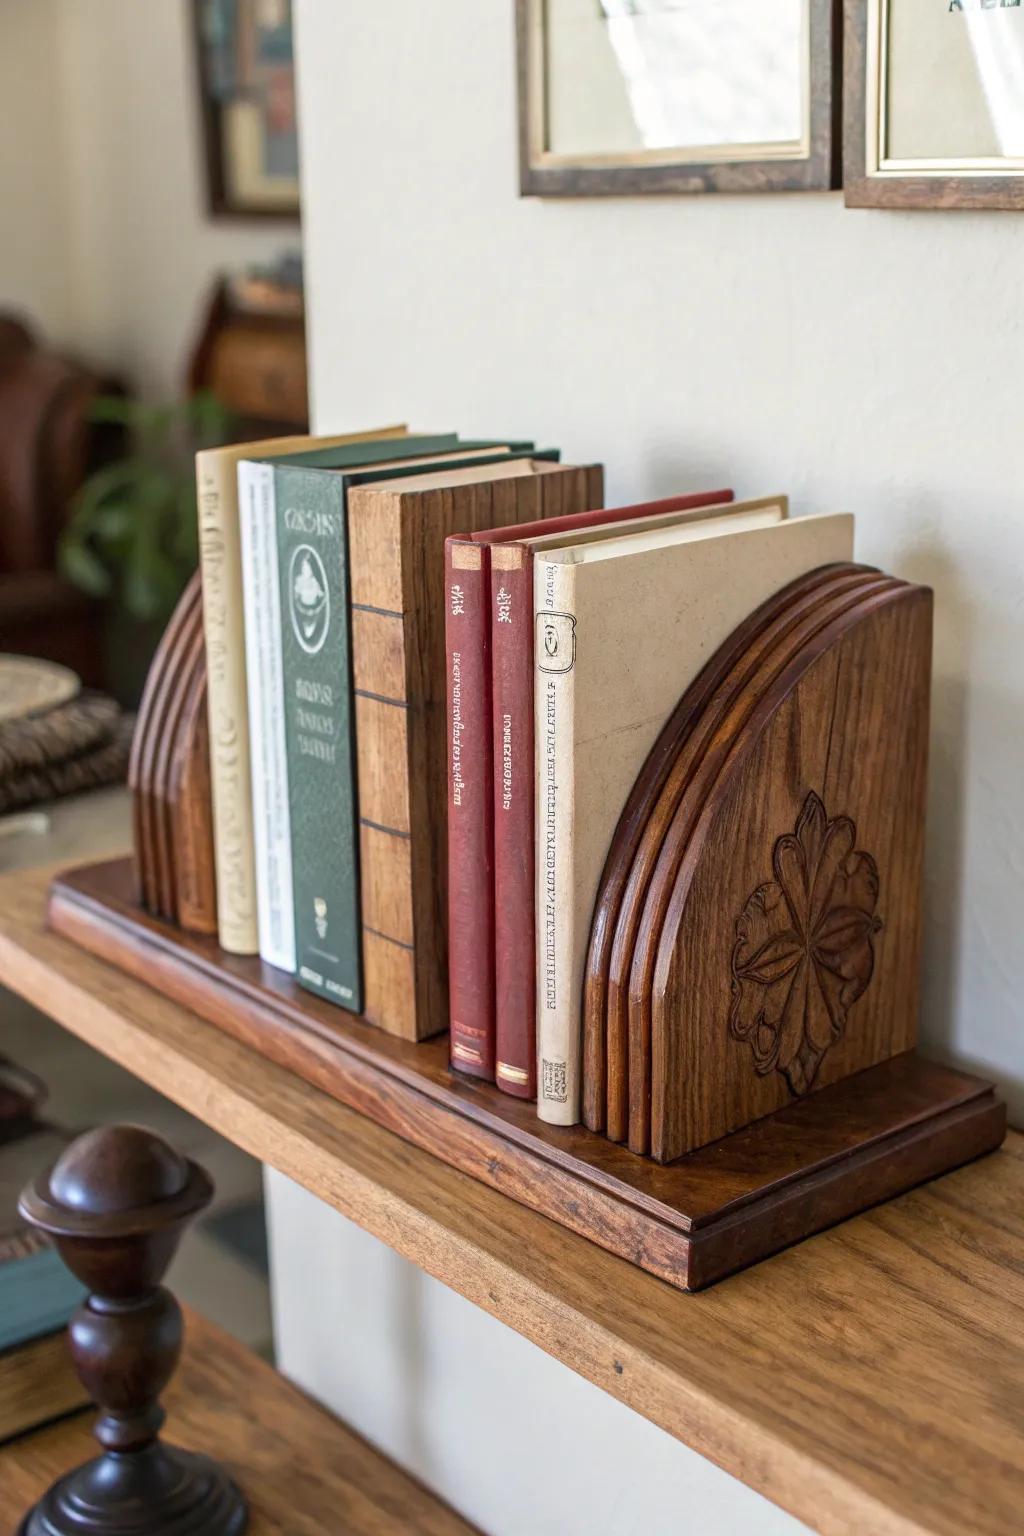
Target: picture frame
807,159
879,171
246,84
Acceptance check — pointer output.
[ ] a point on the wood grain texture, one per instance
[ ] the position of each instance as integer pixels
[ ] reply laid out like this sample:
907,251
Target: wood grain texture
397,531
160,788
169,776
817,170
303,1472
618,873
190,812
147,729
666,1219
870,190
868,1380
701,759
628,867
847,720
172,679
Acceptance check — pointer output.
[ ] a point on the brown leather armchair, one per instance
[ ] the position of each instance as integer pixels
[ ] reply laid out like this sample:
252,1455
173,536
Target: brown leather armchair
47,446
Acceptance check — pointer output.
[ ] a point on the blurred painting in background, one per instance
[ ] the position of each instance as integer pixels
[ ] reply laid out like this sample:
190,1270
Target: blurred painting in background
247,95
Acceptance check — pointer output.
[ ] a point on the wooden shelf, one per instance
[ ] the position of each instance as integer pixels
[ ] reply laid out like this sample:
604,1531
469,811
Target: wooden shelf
302,1471
868,1380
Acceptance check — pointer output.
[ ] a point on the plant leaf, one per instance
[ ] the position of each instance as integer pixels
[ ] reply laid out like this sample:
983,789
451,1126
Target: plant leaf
83,567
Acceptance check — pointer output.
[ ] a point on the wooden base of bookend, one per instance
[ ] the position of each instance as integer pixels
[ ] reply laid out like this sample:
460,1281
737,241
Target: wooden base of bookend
692,1222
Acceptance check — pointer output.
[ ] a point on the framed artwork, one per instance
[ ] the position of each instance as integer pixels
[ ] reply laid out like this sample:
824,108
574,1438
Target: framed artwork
624,96
247,100
934,112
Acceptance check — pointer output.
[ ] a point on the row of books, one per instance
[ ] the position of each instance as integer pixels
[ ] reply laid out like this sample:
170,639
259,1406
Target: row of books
557,647
284,630
569,644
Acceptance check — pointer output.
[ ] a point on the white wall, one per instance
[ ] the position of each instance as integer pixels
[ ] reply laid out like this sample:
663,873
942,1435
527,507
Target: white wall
861,360
33,188
514,1440
106,235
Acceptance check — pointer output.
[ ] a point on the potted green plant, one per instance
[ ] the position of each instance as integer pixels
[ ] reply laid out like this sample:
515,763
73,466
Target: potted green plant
132,536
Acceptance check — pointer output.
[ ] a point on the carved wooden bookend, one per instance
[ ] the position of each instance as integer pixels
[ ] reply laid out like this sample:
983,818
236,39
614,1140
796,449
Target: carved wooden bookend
116,1204
750,1001
757,930
169,775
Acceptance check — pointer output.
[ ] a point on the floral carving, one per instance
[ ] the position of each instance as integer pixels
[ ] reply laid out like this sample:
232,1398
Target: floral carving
804,950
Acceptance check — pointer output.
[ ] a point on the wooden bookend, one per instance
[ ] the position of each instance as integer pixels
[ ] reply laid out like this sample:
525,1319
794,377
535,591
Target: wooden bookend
116,1205
169,776
750,1005
757,933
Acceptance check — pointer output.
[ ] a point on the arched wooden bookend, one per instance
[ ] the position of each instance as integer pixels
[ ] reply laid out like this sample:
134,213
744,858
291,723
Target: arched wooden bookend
757,930
169,776
751,990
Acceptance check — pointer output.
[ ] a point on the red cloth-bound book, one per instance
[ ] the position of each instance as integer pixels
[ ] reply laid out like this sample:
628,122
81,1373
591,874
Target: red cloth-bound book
510,911
470,811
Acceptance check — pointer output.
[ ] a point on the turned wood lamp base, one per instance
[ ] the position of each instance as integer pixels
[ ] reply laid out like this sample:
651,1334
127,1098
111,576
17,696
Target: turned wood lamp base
116,1204
160,1491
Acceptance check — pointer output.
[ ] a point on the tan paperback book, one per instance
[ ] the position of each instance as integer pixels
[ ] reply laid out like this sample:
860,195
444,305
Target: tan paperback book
623,627
220,560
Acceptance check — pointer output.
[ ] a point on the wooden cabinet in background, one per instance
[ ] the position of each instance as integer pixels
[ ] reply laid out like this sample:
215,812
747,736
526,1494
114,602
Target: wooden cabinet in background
256,366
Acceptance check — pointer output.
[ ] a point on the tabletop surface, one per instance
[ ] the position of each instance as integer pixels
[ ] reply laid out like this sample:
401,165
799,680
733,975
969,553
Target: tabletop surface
302,1472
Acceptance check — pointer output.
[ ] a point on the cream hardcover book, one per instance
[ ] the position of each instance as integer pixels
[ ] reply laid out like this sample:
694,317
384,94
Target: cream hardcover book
623,626
220,559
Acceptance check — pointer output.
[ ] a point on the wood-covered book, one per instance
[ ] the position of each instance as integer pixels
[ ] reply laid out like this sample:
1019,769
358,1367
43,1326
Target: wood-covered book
397,531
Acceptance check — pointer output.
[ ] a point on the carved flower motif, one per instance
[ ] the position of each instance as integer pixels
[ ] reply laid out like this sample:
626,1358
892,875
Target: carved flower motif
804,950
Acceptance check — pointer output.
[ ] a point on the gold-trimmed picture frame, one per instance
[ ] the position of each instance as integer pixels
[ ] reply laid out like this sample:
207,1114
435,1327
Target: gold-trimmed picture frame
800,106
896,154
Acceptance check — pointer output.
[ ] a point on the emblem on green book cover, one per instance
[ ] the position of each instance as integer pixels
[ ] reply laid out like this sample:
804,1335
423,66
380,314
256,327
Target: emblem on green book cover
308,598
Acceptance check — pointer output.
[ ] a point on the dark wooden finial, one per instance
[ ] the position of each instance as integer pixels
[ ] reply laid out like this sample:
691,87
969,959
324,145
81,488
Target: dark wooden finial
116,1205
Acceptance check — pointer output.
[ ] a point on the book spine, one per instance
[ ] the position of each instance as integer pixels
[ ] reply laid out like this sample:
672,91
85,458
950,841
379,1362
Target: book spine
511,615
312,546
262,608
220,559
558,995
470,810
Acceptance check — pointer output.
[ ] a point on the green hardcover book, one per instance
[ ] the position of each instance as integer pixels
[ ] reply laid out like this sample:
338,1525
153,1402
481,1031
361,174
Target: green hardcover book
319,737
312,547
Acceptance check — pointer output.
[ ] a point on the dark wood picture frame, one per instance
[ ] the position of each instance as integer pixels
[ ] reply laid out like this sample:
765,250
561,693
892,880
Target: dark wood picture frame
816,170
219,201
864,184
